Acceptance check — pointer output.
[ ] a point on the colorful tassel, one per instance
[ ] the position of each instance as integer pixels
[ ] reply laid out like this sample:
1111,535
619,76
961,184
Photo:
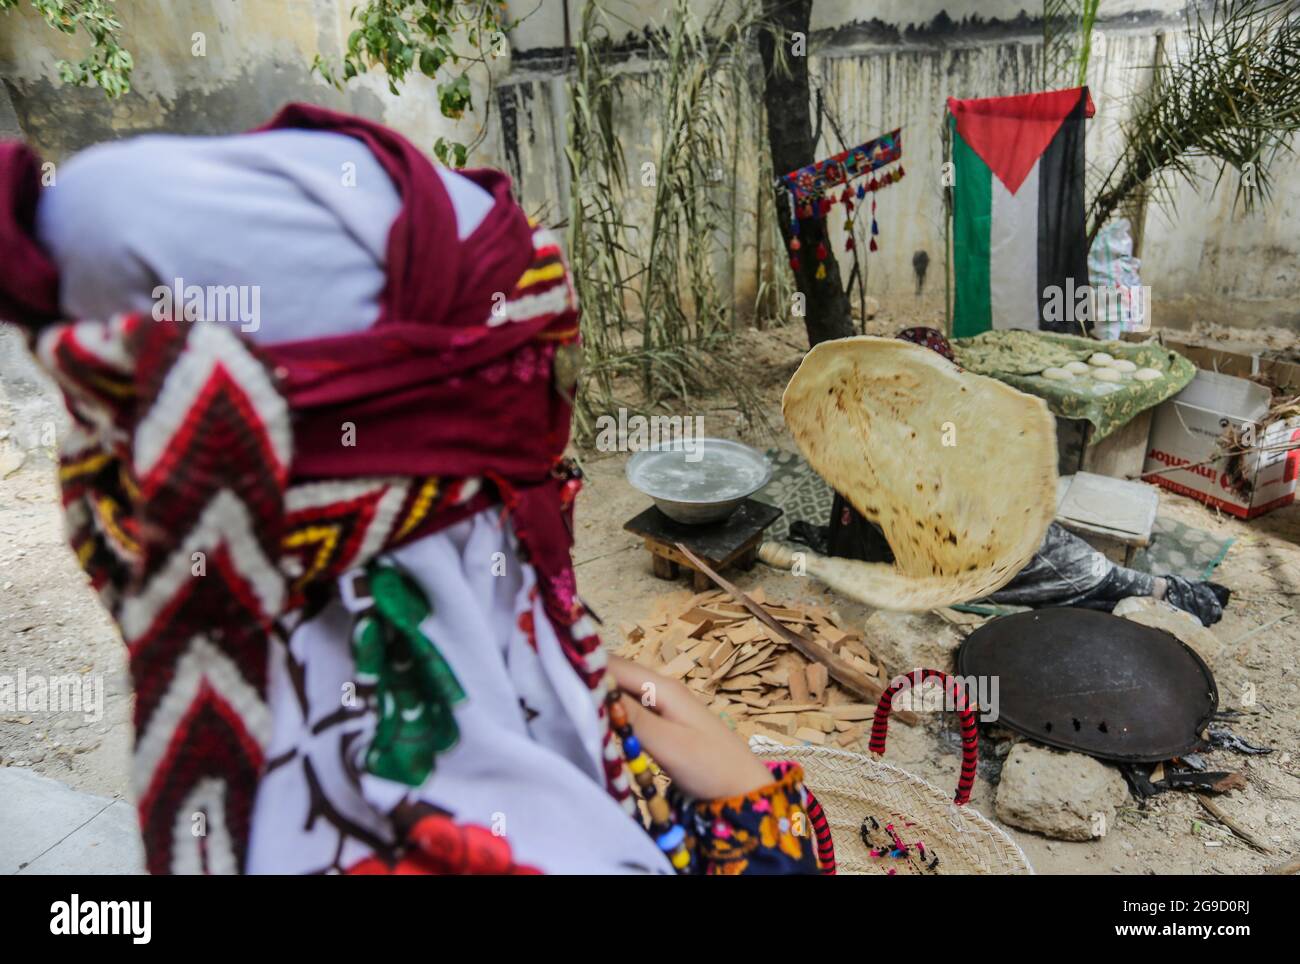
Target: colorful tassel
821,272
873,246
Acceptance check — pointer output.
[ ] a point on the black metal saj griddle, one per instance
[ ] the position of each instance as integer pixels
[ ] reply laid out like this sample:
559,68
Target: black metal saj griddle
1094,683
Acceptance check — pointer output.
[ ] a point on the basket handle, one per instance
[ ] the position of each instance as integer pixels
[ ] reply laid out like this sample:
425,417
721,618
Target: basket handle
969,734
822,832
820,825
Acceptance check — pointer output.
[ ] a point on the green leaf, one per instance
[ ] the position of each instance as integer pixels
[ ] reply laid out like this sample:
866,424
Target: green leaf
430,60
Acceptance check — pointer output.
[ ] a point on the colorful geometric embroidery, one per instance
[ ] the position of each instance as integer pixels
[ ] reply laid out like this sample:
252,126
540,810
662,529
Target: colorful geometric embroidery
176,491
814,181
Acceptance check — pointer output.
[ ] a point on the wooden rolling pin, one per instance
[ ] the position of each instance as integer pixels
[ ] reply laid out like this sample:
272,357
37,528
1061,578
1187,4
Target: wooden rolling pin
845,576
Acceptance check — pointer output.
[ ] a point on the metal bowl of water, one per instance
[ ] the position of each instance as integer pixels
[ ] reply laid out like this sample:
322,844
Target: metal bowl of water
700,480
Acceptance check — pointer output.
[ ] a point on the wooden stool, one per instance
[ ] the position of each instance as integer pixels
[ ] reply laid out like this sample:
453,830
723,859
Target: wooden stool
1114,516
732,542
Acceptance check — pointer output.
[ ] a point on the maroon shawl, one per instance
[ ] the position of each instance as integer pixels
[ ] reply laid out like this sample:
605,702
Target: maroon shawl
431,331
432,349
444,384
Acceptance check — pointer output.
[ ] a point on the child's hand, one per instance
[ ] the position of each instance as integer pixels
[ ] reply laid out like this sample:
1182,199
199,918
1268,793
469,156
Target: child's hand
704,758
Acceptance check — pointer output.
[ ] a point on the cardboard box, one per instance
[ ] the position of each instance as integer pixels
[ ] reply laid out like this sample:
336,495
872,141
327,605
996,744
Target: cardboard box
1120,455
1284,374
1189,428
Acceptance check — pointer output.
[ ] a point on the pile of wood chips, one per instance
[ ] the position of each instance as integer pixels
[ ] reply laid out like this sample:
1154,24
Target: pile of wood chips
750,678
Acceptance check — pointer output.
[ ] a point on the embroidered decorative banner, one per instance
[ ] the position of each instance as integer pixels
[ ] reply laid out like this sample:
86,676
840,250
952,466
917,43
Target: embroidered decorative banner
811,193
816,179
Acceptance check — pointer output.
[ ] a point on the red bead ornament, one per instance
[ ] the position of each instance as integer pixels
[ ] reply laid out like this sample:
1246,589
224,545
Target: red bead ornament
569,492
874,246
848,245
821,251
795,245
617,714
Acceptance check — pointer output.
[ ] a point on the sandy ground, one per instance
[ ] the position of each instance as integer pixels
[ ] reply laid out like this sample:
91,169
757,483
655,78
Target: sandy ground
51,623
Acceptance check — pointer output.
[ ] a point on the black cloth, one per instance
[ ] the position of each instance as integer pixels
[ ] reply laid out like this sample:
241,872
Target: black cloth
1065,571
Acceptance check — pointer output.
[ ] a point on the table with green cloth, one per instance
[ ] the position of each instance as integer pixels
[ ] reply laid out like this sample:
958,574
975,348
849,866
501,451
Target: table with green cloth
1018,357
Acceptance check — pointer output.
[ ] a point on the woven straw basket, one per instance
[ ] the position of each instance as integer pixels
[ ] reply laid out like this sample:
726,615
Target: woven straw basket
856,791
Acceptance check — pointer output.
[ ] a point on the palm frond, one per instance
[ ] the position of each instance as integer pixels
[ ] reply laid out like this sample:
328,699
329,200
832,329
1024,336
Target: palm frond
1229,92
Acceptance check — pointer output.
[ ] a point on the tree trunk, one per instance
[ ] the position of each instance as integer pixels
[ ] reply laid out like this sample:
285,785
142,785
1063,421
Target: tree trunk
789,135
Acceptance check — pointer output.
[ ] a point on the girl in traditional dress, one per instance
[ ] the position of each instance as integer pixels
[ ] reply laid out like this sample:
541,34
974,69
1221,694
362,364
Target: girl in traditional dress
320,391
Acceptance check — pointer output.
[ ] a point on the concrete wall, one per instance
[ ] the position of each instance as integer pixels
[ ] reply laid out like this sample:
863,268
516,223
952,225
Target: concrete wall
893,20
894,63
258,56
880,65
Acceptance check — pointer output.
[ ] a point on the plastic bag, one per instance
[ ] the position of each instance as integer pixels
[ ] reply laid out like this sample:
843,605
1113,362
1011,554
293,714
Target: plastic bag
1120,302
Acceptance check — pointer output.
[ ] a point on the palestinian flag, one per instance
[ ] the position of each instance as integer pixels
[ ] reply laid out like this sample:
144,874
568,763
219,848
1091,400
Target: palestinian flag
1019,247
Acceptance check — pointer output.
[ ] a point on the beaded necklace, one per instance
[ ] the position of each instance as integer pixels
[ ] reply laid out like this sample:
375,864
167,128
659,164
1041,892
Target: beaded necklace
664,828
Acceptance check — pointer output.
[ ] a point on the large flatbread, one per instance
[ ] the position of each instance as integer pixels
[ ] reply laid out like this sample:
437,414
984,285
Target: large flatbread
957,469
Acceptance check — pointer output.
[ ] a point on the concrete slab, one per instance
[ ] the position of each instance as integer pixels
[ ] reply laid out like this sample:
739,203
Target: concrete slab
49,828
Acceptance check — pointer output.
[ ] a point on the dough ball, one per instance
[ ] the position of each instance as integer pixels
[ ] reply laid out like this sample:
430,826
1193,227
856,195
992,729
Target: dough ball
1123,365
1099,359
1058,374
1076,367
1106,375
1147,374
